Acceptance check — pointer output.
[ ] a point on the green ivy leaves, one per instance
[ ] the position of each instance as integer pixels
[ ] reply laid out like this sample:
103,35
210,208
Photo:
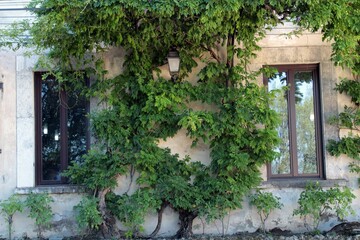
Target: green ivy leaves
349,119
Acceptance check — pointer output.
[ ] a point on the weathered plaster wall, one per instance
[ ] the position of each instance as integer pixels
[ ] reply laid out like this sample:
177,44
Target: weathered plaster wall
25,123
7,124
18,155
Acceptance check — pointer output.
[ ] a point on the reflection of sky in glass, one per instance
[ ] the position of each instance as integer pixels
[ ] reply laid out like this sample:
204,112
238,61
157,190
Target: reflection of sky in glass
277,82
306,89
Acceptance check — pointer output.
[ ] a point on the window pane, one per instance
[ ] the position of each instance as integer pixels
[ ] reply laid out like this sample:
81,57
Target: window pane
50,107
281,165
77,127
305,123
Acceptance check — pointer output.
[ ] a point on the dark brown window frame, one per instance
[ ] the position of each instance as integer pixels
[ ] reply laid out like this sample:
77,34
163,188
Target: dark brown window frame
290,70
38,78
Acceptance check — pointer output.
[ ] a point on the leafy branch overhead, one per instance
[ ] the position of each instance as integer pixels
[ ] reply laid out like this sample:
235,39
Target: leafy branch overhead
150,28
142,107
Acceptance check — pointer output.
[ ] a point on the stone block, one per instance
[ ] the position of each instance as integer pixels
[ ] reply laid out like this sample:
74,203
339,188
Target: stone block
25,152
25,95
20,63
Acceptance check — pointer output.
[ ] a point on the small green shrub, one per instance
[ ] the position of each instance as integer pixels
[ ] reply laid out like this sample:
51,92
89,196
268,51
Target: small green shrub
132,209
40,210
265,202
8,208
316,203
88,217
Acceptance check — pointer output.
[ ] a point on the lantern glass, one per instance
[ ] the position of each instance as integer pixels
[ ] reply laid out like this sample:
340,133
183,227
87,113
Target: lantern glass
174,63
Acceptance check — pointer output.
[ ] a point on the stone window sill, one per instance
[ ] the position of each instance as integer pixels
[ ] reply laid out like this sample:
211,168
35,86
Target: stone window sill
278,183
52,189
301,183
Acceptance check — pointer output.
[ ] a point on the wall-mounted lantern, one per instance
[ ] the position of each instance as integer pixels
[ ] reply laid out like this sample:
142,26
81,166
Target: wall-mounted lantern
174,63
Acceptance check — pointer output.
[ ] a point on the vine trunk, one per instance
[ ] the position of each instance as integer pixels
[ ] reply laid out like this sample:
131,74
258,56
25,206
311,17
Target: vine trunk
186,218
108,227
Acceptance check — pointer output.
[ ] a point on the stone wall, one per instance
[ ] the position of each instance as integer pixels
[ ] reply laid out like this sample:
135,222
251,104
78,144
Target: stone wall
17,139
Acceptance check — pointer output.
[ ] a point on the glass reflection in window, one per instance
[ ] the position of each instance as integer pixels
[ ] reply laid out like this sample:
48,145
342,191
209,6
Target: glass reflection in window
50,108
281,165
305,133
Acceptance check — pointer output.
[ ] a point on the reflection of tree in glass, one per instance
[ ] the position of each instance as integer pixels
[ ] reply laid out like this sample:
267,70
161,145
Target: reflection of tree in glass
77,125
306,138
306,146
300,78
280,81
304,111
281,165
50,106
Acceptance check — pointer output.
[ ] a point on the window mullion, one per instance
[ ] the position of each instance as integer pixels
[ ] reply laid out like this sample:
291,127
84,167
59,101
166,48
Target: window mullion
318,126
292,124
63,132
38,129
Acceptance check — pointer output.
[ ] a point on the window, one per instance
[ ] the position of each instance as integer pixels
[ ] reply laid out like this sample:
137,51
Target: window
298,104
61,129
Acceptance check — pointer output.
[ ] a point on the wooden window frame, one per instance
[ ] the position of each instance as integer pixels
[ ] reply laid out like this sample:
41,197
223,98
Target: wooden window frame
64,160
290,71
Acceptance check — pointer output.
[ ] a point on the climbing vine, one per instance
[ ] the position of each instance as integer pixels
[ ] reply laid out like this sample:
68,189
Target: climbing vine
348,120
140,107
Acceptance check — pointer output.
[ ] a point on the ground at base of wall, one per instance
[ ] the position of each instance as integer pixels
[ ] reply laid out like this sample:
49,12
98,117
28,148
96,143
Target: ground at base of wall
342,231
245,236
260,236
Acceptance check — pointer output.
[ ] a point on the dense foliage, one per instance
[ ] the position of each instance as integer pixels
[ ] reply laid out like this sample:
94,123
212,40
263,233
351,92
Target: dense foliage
142,107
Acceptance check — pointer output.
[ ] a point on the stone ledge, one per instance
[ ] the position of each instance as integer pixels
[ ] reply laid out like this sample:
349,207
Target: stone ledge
301,183
53,189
